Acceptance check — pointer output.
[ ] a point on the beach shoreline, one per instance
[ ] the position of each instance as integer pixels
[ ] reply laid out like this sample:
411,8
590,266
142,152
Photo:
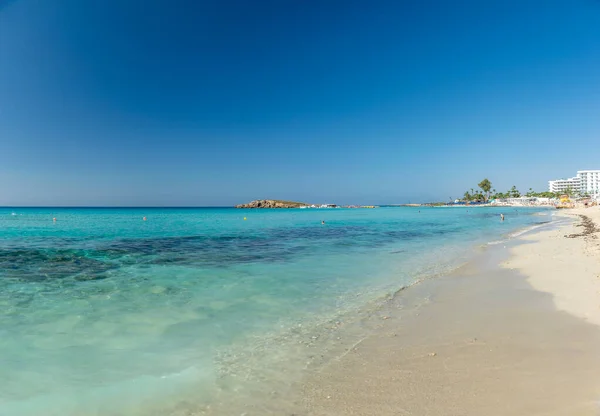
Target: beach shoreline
485,338
380,357
214,348
553,256
515,332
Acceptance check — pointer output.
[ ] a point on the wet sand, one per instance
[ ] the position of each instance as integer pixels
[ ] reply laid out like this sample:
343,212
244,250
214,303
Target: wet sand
520,339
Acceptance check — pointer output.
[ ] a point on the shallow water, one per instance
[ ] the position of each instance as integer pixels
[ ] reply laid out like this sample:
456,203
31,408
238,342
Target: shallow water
104,313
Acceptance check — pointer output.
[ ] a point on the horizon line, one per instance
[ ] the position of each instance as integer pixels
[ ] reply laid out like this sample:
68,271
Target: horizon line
116,206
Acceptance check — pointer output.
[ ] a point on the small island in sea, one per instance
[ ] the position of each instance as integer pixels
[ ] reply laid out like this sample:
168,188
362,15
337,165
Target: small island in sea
272,203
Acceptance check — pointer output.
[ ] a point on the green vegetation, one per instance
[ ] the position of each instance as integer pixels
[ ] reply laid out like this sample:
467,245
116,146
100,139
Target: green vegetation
532,194
485,185
480,195
486,192
515,193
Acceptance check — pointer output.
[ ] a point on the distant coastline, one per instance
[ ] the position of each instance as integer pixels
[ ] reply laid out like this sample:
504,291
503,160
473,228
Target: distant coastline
522,201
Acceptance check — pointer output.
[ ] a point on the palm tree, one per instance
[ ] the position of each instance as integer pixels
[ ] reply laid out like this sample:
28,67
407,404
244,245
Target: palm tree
514,192
485,186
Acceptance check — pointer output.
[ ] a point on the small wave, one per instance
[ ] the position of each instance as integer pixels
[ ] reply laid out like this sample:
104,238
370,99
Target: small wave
527,229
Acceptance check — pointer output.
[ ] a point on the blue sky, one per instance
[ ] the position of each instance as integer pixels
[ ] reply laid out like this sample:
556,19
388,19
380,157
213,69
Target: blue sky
131,102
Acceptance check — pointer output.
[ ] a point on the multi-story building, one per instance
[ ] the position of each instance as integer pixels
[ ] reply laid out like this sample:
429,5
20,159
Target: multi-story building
590,181
562,185
586,182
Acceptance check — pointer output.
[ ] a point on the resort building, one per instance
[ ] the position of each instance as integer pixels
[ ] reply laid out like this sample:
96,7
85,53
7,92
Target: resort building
562,185
586,182
590,181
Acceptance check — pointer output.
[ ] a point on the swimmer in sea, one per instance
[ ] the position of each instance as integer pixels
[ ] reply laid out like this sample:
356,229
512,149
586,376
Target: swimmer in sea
322,222
501,217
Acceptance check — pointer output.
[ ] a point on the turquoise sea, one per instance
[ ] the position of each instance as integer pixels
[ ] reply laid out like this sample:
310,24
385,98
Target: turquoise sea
103,313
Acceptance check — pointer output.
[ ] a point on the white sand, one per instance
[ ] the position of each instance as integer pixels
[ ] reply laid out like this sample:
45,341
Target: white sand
567,268
520,340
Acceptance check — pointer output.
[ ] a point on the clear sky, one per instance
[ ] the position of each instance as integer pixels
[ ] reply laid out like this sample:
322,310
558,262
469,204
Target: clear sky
148,102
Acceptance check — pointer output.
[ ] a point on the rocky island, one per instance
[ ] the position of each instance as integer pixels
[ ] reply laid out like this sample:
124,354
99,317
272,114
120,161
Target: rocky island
272,203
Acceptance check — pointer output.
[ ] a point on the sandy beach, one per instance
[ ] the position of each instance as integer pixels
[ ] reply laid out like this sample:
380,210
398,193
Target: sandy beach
517,332
567,268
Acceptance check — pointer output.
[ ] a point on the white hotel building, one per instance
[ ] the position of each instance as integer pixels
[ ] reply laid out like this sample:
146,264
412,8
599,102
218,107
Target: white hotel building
561,185
586,181
590,181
